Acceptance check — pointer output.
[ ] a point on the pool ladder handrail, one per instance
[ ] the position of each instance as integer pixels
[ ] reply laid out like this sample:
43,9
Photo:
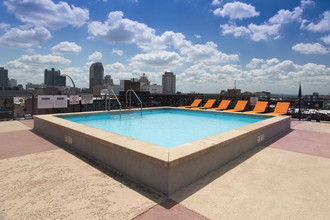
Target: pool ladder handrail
116,99
130,101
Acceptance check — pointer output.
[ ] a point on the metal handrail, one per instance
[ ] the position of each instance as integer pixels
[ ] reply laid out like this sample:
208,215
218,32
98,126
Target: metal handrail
130,103
116,99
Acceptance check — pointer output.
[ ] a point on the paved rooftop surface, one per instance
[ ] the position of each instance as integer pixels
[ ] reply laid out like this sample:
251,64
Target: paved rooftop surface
286,179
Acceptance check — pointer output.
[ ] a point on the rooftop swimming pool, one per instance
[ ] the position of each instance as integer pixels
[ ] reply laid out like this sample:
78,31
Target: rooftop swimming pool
166,148
166,127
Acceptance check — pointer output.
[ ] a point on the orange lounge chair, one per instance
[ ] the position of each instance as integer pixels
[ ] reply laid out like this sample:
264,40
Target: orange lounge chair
259,108
223,105
280,109
240,105
208,104
194,104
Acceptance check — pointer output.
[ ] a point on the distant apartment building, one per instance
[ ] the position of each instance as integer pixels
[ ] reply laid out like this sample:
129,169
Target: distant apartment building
130,84
3,77
31,86
96,75
168,83
108,80
12,83
53,78
155,89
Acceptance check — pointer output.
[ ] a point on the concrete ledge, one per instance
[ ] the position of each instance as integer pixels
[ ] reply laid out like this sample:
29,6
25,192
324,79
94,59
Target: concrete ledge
162,169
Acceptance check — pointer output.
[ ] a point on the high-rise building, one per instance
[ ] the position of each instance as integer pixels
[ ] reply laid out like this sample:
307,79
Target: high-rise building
168,83
3,77
96,75
12,83
108,80
50,77
60,81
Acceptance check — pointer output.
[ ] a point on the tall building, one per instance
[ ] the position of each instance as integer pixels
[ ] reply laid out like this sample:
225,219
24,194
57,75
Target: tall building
168,83
108,80
96,75
3,77
12,83
60,81
51,77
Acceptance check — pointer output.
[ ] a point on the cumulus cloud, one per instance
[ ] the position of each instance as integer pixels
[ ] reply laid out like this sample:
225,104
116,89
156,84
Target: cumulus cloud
158,60
19,38
286,16
308,48
264,31
307,3
115,67
47,13
234,30
4,26
207,53
49,60
256,32
236,10
66,47
254,63
326,39
117,29
121,30
322,26
95,56
216,2
118,52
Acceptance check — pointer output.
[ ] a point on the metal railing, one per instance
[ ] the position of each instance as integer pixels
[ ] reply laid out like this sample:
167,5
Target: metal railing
130,100
116,99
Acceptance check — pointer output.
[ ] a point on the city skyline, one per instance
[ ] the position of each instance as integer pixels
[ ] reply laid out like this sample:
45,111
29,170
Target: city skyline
207,44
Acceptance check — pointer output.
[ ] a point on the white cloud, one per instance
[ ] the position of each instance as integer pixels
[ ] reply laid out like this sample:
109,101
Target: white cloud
118,52
47,13
233,29
254,63
49,60
306,3
256,32
198,36
207,53
18,38
263,32
66,47
308,48
95,56
326,39
236,10
158,60
216,2
115,67
4,26
116,29
321,26
286,16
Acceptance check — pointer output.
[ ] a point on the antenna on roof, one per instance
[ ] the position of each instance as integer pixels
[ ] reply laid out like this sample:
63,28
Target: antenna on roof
235,84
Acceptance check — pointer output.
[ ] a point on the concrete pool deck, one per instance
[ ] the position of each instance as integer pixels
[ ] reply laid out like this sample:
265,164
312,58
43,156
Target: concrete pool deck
285,179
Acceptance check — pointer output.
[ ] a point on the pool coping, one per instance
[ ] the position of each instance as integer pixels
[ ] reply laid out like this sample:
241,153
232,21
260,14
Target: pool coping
158,158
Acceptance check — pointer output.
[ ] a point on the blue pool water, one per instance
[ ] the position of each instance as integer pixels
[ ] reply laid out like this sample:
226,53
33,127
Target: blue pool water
165,127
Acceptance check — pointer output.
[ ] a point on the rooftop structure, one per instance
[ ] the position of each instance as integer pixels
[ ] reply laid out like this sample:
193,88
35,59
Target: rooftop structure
53,78
169,83
96,75
276,180
3,77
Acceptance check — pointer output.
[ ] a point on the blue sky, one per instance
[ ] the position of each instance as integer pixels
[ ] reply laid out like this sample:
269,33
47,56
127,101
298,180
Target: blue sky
208,44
